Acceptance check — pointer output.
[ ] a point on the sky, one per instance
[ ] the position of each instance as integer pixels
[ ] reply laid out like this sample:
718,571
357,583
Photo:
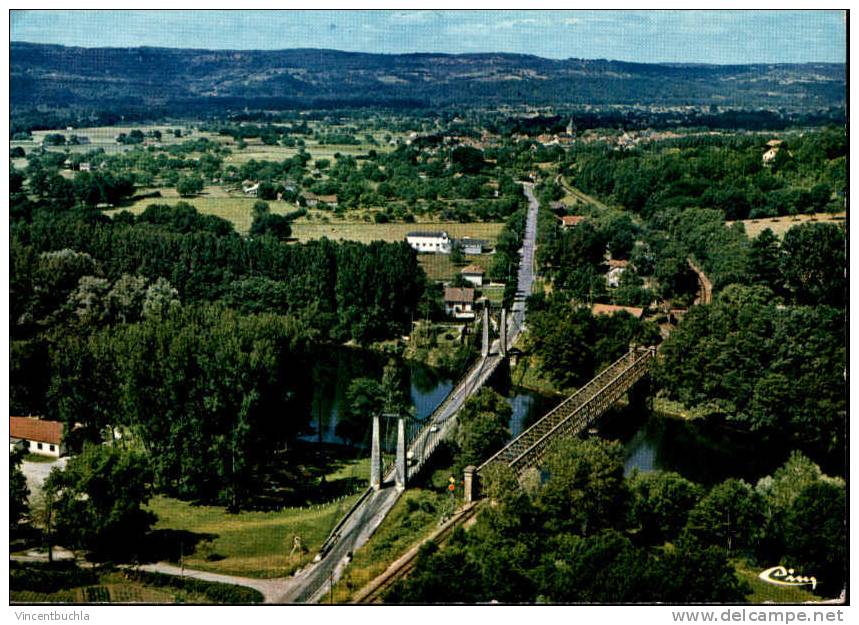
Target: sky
723,37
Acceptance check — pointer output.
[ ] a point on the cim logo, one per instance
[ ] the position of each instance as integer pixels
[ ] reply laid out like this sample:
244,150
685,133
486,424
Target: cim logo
785,577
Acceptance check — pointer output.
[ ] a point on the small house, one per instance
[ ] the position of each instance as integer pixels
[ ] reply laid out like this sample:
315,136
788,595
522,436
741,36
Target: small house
616,269
434,242
86,166
459,303
611,309
252,190
472,246
37,436
474,274
571,221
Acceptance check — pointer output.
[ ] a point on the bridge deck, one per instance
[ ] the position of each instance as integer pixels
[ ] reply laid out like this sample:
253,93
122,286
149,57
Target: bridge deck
576,412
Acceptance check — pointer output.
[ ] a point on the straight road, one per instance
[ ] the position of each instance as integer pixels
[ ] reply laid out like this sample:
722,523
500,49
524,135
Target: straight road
312,584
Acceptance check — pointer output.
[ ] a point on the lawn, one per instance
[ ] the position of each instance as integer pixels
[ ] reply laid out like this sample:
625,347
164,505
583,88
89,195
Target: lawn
440,266
780,225
249,543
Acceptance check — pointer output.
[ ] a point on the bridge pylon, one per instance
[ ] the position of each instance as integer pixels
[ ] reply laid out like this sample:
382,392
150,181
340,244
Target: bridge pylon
502,331
400,472
484,349
376,456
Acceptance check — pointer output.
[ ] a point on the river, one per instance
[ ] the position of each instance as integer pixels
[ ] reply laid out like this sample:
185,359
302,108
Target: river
701,452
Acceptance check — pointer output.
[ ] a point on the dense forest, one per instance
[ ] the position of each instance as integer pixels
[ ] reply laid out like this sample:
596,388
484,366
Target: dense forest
586,534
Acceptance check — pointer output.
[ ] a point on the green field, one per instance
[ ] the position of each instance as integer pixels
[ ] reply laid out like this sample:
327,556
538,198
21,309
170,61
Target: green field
440,266
250,544
366,232
780,225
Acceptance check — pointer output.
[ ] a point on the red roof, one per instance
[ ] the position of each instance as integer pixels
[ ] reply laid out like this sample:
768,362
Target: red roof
572,220
615,262
610,309
475,269
455,295
35,429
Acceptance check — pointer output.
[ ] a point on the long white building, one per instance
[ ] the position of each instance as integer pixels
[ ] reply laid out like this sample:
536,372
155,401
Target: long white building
435,242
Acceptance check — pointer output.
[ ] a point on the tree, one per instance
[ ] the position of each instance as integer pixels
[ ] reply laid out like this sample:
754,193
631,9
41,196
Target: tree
98,501
816,535
456,255
660,504
89,300
731,516
364,399
189,185
814,262
764,261
483,427
276,226
160,299
585,492
18,491
125,300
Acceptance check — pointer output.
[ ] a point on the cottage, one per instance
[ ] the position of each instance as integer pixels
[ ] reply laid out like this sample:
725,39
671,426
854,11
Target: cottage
612,278
252,190
86,166
37,436
459,303
769,156
474,274
435,242
472,246
611,309
312,200
571,221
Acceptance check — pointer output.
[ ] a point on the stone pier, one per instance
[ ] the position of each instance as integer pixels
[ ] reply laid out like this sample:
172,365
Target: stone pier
470,485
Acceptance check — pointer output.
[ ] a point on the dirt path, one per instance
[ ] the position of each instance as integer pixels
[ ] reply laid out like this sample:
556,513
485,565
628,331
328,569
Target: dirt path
705,290
271,589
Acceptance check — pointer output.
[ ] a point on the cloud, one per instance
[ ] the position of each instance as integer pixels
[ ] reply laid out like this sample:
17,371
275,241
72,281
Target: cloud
412,17
507,24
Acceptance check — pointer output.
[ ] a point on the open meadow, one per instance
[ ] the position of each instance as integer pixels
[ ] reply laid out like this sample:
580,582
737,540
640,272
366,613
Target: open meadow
780,225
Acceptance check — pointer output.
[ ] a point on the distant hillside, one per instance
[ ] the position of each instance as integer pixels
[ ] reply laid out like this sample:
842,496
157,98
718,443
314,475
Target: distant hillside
65,76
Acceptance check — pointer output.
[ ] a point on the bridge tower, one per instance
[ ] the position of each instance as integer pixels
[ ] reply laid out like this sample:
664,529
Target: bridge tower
376,456
484,351
400,472
502,331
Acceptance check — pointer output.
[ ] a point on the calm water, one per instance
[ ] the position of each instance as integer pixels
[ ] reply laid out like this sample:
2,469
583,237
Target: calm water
334,370
701,452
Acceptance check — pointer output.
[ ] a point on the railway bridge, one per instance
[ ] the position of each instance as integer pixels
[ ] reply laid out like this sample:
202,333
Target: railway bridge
571,417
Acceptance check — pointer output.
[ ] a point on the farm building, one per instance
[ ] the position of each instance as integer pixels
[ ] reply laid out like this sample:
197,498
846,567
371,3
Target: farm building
315,200
616,269
37,436
611,309
474,274
459,303
571,221
472,246
437,242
